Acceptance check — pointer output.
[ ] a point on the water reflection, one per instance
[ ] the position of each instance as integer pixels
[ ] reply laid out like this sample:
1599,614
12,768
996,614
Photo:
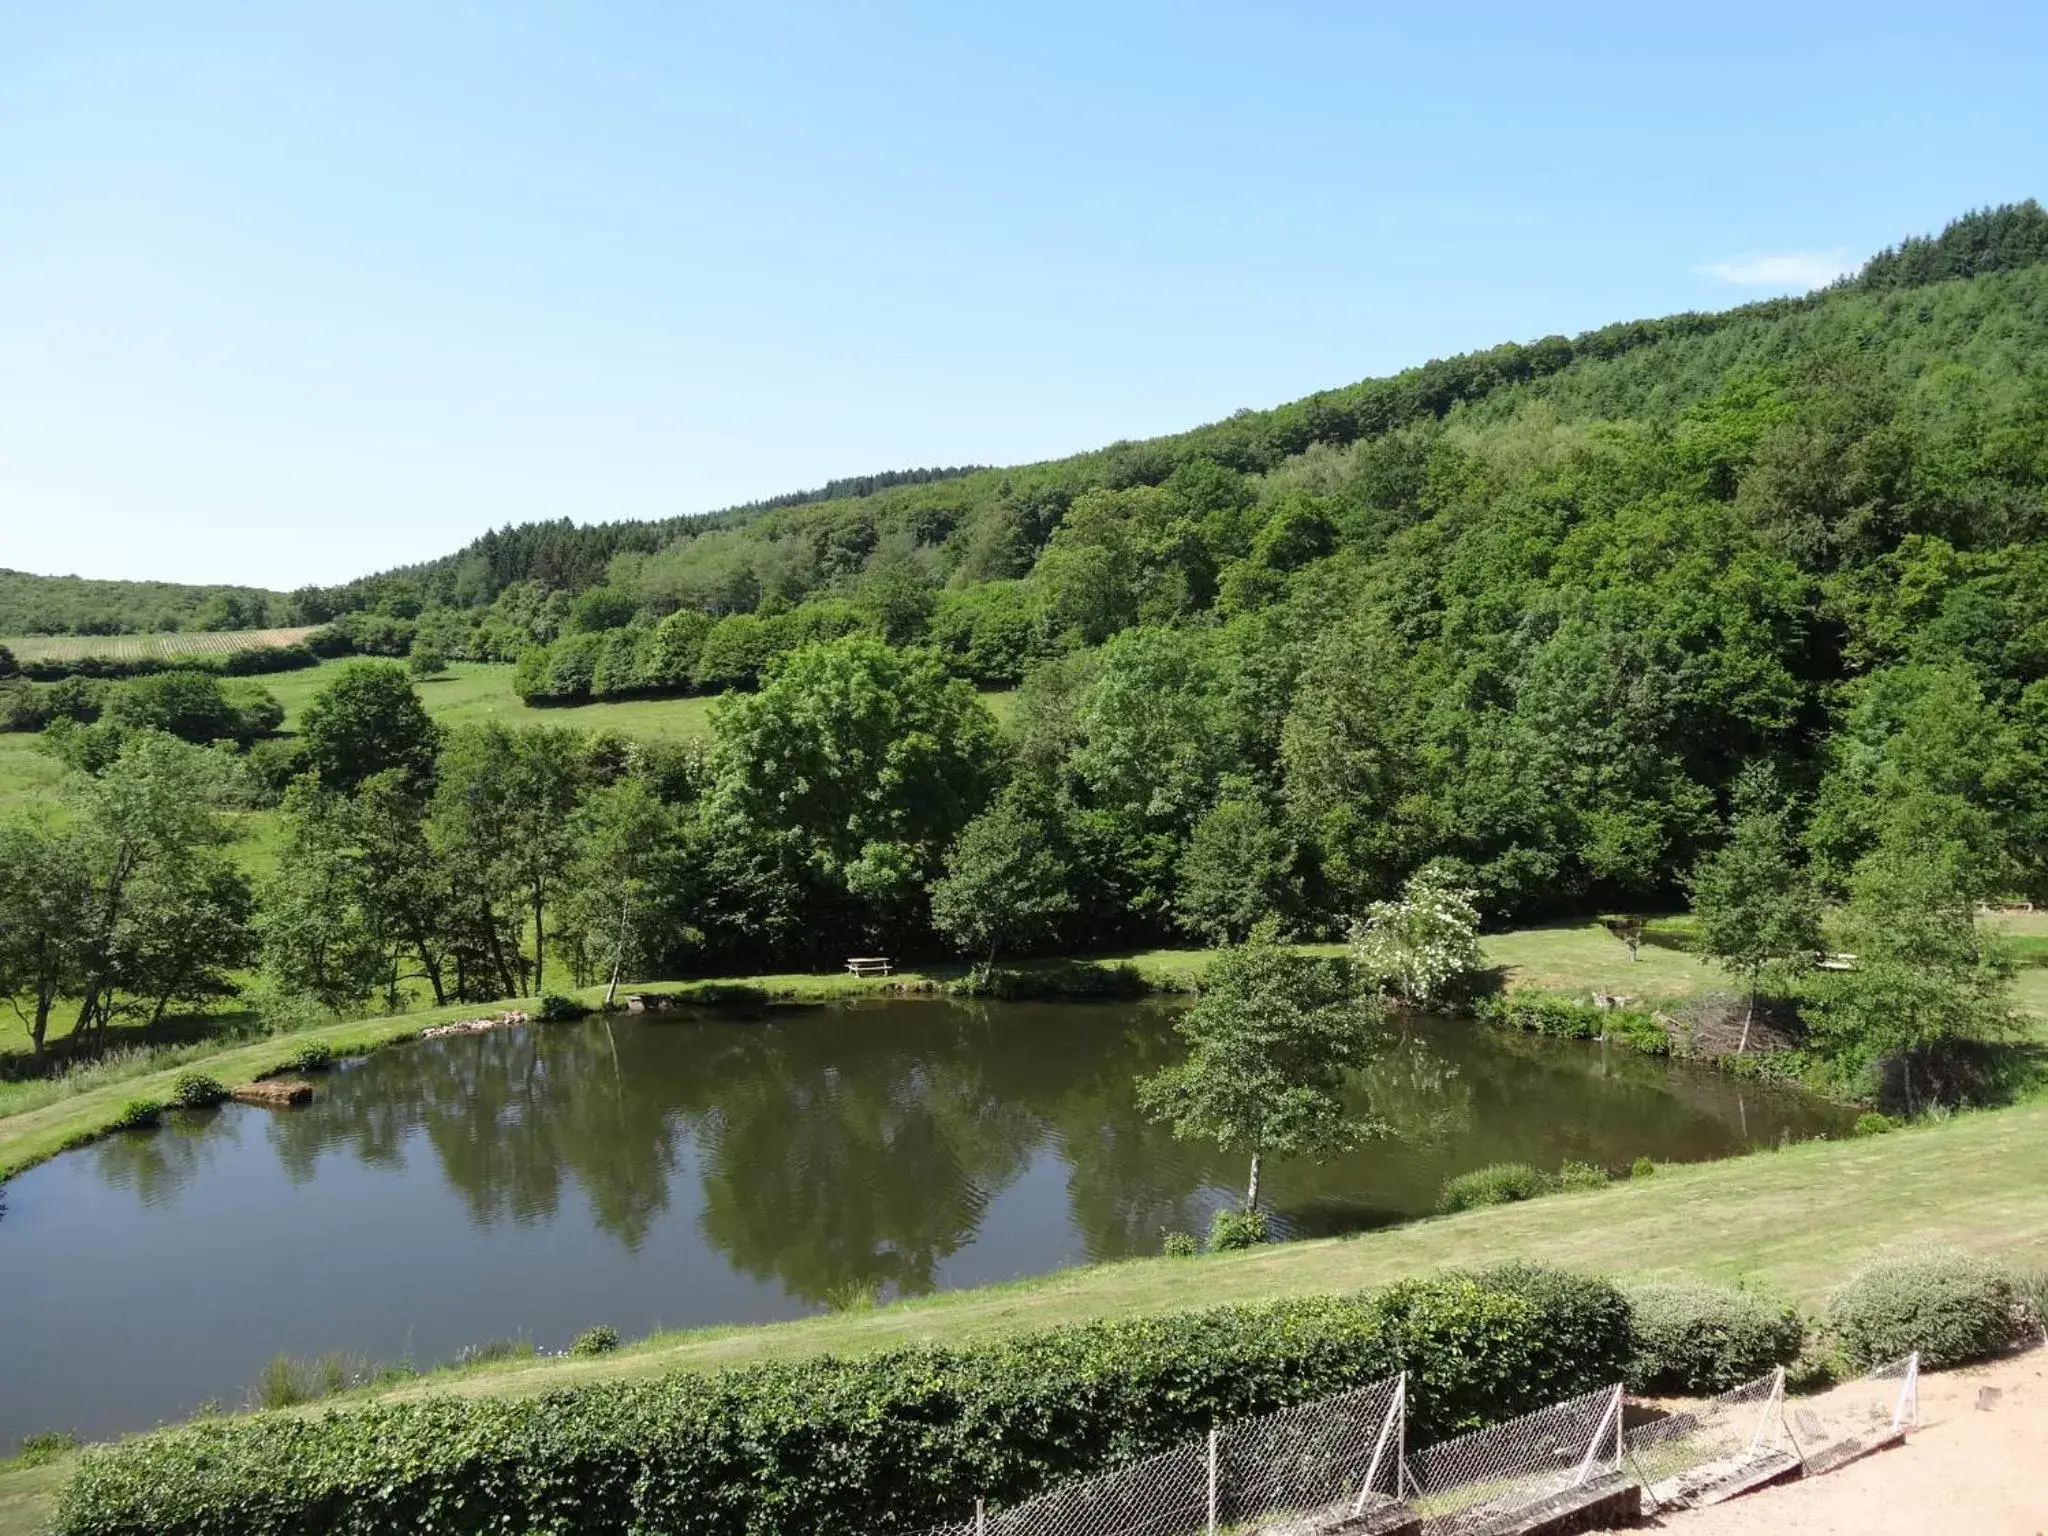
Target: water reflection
674,1173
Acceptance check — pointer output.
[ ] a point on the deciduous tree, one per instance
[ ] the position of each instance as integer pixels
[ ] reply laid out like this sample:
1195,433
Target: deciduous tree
1272,1042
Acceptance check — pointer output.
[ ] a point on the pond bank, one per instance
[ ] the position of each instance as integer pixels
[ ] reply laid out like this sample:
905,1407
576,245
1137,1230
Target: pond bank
1579,958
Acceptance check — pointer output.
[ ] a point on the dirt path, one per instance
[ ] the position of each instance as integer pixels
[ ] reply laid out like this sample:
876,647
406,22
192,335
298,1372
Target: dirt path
1978,1464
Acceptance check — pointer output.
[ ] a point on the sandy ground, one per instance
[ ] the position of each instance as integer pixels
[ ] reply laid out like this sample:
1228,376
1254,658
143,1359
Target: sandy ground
1977,1466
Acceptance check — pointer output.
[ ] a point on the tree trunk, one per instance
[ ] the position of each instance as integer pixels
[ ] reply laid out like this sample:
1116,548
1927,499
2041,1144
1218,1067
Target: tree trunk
540,945
618,954
1746,1018
1251,1191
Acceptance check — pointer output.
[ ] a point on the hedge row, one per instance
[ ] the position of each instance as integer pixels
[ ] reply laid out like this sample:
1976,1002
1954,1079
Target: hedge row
1564,1018
893,1441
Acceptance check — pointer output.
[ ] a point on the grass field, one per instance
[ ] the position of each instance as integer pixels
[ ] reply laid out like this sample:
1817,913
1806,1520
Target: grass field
1794,1223
475,692
129,647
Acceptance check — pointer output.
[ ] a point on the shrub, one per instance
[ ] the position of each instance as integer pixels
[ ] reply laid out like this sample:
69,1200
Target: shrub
1179,1245
137,1113
285,1382
1872,1124
600,1340
1705,1338
557,1009
1582,1176
1230,1230
2033,1289
309,1058
890,1441
1642,1168
491,1351
1951,1306
1565,1018
47,1446
1495,1184
195,1090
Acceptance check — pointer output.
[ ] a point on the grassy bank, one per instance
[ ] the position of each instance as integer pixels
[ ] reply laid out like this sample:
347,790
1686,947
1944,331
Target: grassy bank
1794,1222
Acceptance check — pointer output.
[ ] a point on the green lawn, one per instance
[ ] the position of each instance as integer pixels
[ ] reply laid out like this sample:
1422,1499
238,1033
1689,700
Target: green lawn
1585,957
473,692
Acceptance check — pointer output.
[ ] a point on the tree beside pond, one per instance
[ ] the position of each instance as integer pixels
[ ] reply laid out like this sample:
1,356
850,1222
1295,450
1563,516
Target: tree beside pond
1419,946
1924,980
1756,903
1005,885
1272,1042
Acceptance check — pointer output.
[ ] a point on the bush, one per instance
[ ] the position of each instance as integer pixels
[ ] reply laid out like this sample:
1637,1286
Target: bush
309,1058
891,1441
138,1113
1704,1338
195,1090
1873,1124
1642,1168
47,1446
1179,1245
1495,1184
1231,1230
1582,1176
1565,1018
557,1009
1951,1306
600,1340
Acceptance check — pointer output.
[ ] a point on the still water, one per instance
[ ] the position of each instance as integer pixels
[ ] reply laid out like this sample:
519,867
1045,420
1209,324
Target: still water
674,1172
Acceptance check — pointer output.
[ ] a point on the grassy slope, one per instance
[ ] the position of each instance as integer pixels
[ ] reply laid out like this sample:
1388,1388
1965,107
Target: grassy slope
1795,1222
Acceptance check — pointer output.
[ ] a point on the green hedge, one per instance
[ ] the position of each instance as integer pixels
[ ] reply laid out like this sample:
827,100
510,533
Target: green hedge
1566,1018
1950,1305
1706,1338
887,1442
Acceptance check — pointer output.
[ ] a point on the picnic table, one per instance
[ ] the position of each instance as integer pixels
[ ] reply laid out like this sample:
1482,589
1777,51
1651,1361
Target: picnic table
868,965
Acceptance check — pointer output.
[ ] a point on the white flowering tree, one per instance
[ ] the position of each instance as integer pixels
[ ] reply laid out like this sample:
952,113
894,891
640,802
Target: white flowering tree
1416,947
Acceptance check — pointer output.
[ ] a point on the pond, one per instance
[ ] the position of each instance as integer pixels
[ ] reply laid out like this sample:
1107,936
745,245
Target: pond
672,1172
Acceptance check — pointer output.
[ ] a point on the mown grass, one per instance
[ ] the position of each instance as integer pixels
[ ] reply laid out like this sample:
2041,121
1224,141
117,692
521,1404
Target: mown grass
1795,1222
480,692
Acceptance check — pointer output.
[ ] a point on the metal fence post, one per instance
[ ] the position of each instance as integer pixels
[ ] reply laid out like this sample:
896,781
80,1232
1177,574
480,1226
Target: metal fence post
1212,1480
1593,1446
981,1517
1907,1414
1395,1424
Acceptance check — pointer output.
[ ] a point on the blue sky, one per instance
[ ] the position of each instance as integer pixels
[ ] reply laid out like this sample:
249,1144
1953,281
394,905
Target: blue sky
292,292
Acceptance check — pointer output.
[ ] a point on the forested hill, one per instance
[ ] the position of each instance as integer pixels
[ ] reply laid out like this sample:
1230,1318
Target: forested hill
988,524
1552,612
77,605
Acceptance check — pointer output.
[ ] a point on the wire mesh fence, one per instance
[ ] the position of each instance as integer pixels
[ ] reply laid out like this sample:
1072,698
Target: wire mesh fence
1336,1455
1489,1476
1857,1415
1727,1443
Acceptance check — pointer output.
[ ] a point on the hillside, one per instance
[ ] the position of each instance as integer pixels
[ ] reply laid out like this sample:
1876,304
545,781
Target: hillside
1552,612
77,605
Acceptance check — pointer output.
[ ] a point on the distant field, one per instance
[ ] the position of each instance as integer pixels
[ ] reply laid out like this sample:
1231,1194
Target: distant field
128,647
473,692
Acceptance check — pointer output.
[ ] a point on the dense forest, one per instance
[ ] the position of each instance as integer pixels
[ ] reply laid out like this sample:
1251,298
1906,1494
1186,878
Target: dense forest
1542,616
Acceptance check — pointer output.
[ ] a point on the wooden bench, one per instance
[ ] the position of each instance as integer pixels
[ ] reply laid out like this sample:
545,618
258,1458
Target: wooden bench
868,965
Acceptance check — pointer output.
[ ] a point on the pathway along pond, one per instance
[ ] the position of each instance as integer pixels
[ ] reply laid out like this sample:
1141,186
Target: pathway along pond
673,1172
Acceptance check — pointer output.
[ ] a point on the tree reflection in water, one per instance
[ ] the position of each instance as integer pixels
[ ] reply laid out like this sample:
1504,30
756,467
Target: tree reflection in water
849,1153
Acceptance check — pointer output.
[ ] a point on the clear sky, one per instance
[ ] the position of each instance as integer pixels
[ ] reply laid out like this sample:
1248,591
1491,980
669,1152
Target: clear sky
291,292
